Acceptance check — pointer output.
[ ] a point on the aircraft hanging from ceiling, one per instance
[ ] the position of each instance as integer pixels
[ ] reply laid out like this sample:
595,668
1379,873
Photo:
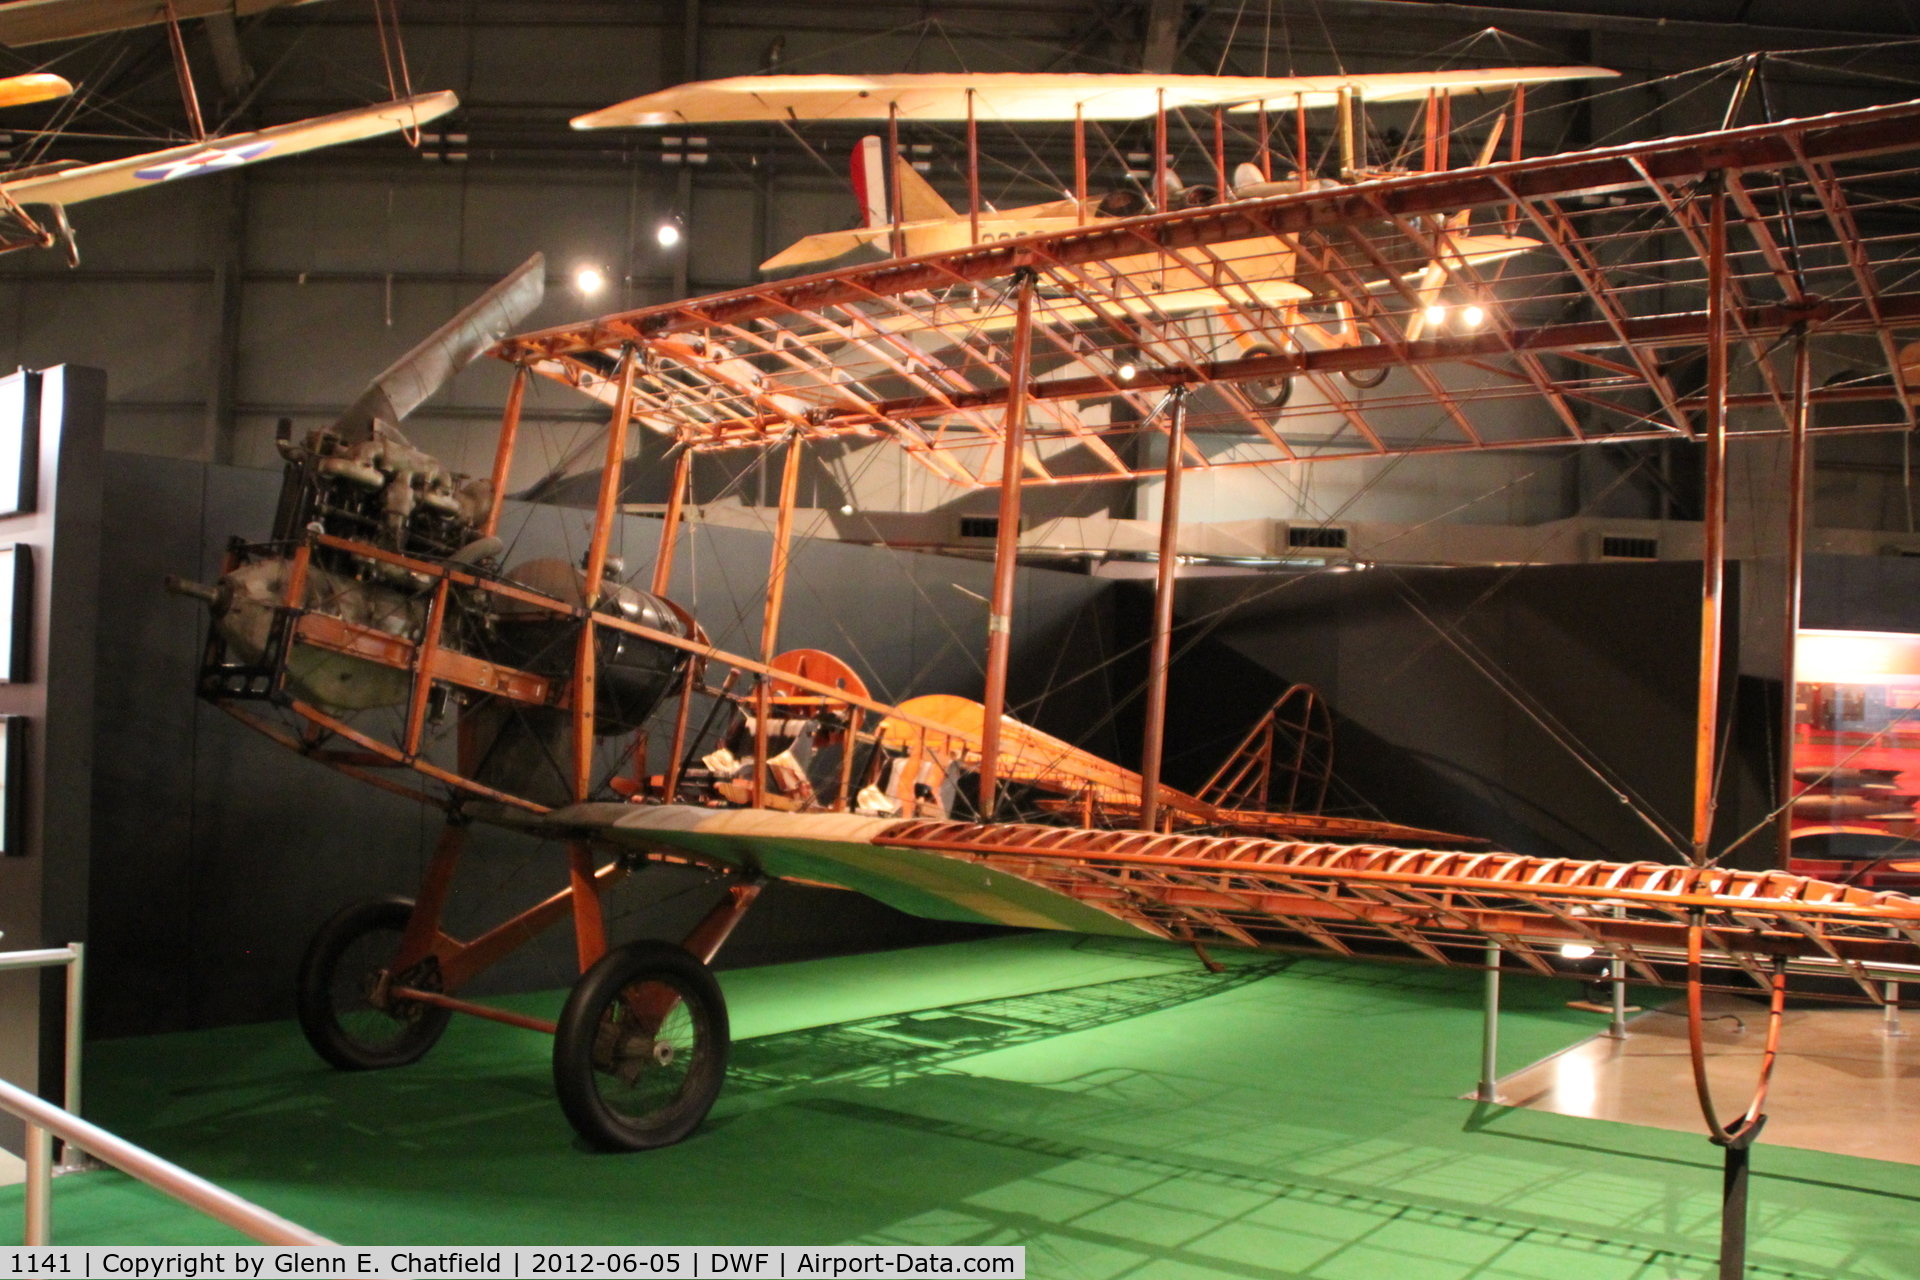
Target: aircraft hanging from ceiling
1031,97
34,199
905,214
902,216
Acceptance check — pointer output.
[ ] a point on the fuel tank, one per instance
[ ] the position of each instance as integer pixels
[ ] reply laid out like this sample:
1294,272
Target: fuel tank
631,674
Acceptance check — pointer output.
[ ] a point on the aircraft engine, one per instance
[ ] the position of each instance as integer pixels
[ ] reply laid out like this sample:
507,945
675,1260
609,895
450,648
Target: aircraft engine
246,606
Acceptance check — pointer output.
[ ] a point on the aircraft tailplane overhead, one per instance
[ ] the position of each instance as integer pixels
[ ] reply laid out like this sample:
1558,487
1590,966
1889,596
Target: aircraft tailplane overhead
919,202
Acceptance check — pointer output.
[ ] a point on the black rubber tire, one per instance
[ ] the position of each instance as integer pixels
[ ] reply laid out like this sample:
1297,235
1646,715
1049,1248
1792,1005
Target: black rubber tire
667,1092
337,975
1266,393
1366,378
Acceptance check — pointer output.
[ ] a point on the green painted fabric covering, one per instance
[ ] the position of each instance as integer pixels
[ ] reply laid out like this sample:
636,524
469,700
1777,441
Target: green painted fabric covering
835,849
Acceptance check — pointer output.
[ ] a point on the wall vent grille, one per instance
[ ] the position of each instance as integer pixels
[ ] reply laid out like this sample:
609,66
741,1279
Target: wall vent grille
1619,547
1316,536
979,526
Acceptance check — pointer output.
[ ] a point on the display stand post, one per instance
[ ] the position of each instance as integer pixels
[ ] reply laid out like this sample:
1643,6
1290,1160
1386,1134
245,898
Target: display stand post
1490,1030
1733,1202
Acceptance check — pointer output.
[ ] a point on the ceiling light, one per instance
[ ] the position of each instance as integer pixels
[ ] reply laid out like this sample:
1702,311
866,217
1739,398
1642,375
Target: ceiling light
1436,314
1473,316
668,235
1576,951
589,280
1127,371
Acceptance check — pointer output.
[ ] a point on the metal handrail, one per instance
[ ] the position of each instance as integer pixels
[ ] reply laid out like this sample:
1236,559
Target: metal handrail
189,1189
74,957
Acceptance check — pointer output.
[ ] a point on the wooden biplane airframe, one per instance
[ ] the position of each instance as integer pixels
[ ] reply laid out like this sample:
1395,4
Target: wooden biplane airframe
1740,253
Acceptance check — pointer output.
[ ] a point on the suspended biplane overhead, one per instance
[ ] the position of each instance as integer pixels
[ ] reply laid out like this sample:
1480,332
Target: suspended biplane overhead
1585,337
902,213
1243,296
33,199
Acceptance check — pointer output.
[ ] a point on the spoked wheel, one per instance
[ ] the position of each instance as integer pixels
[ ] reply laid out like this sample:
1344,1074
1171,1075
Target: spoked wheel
344,978
641,1048
1266,393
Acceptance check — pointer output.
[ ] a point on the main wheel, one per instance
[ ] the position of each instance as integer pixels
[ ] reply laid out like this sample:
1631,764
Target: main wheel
1366,378
641,1048
342,1000
1266,393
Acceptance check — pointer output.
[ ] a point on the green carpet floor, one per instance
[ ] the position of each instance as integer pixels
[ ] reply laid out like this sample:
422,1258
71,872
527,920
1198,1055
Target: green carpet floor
1113,1107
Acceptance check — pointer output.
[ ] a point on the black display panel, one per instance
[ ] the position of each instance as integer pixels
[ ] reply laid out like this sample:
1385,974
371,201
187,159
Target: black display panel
19,444
16,613
13,786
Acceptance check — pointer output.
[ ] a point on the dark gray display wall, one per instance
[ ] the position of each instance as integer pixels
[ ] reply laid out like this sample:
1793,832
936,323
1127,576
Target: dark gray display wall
1862,593
1443,682
217,853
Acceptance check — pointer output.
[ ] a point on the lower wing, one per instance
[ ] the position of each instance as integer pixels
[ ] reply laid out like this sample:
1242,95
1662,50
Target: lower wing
111,177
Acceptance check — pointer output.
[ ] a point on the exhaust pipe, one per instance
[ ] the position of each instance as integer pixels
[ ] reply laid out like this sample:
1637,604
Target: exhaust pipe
217,599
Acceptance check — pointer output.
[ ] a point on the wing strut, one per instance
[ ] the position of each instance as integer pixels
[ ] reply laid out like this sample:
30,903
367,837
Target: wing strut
189,96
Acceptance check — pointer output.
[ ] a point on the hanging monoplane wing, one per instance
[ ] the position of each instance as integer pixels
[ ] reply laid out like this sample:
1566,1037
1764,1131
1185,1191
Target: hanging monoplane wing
25,22
37,86
111,177
1027,96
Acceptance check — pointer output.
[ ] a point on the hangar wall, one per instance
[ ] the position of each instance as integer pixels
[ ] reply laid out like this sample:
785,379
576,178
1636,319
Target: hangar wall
1509,703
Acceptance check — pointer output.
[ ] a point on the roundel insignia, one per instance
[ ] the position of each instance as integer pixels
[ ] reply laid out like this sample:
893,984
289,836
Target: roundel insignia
209,159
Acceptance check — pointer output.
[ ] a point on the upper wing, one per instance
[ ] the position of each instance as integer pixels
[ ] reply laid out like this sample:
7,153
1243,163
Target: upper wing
38,86
89,182
417,375
1024,96
25,22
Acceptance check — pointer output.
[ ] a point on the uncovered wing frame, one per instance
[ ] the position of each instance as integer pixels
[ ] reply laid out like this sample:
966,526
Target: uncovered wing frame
1350,900
1586,268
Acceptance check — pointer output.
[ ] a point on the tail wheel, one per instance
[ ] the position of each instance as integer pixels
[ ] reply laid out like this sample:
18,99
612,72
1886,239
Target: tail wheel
641,1049
342,999
1266,393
